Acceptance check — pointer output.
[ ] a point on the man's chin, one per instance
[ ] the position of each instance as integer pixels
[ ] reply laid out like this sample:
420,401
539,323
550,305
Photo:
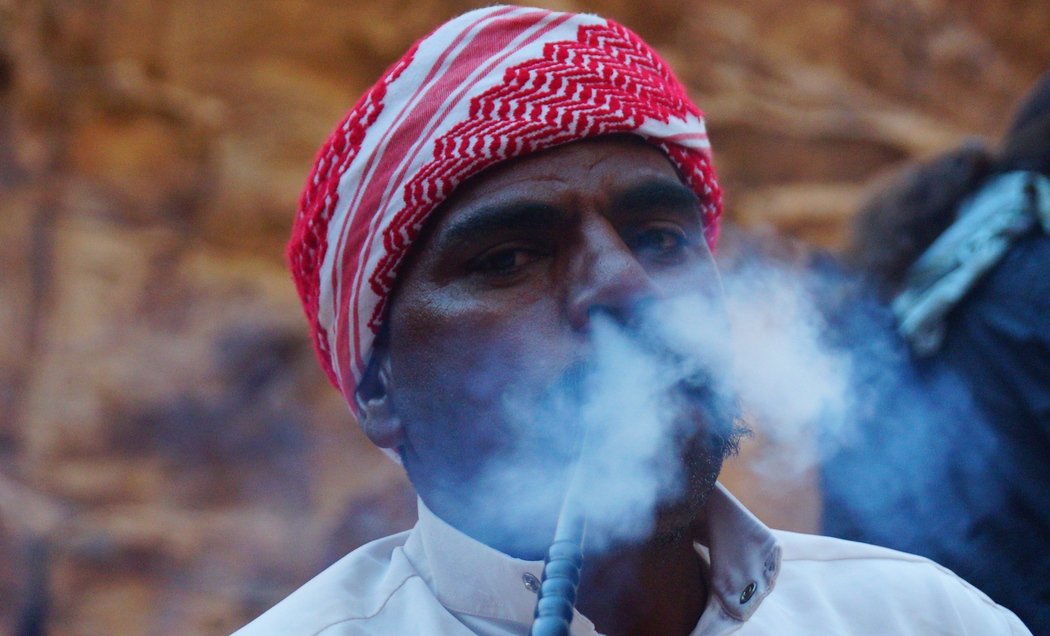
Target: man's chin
675,519
516,511
701,465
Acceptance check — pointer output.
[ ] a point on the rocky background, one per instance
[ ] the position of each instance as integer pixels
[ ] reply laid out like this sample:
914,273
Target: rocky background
172,460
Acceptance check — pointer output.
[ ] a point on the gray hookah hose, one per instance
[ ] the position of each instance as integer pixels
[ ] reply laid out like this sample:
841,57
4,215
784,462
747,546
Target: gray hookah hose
561,578
556,598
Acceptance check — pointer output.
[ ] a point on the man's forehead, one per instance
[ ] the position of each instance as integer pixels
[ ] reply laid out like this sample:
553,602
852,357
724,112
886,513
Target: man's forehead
616,163
632,153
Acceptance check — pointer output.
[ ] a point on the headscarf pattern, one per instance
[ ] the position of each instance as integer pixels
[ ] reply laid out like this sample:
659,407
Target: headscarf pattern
488,86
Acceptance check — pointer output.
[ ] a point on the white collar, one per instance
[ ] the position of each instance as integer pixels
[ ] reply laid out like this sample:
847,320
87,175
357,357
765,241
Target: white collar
469,577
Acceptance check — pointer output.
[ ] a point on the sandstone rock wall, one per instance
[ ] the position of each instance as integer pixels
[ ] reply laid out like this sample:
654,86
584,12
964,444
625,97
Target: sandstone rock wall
172,460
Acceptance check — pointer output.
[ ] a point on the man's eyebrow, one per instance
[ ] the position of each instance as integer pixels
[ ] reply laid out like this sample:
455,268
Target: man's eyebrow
665,193
523,215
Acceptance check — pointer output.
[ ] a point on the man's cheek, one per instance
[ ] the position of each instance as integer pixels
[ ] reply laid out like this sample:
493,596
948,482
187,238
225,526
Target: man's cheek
461,365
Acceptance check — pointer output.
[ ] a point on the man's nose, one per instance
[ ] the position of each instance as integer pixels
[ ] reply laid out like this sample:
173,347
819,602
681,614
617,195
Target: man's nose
606,278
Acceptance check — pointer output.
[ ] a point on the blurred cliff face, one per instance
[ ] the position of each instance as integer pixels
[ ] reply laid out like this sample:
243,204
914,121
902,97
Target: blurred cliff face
165,433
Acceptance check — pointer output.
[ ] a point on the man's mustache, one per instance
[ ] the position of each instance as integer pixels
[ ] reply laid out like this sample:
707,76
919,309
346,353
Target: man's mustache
689,387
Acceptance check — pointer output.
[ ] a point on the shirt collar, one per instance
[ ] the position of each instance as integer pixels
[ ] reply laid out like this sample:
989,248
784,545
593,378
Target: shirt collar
469,577
744,555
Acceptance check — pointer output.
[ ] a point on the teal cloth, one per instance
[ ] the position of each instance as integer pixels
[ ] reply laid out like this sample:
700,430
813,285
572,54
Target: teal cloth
1008,207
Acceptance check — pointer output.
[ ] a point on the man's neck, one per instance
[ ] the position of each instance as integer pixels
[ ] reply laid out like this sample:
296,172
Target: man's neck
657,587
654,588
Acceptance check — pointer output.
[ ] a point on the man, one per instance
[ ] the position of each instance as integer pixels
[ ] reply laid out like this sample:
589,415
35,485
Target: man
961,246
489,249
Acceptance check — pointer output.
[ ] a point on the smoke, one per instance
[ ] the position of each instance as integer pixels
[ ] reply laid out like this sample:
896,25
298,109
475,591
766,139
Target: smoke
792,376
658,403
632,409
802,355
899,443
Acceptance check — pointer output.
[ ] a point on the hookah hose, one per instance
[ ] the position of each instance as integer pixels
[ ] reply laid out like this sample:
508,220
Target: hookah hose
561,569
556,598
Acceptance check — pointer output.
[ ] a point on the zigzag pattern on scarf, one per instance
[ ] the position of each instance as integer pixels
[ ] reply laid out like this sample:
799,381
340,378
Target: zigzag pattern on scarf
319,199
602,83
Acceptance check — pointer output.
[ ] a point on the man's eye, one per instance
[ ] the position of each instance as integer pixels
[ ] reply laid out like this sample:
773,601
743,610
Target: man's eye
659,242
504,260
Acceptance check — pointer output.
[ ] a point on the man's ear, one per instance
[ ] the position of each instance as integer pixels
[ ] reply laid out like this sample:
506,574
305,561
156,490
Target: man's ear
378,417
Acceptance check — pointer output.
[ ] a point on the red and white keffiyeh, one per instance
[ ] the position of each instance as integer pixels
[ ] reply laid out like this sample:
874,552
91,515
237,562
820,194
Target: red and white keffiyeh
490,85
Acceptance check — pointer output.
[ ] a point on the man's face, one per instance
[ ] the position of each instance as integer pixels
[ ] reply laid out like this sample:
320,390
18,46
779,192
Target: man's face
496,311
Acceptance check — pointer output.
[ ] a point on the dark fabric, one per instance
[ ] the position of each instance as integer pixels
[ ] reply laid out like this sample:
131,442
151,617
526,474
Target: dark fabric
952,460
